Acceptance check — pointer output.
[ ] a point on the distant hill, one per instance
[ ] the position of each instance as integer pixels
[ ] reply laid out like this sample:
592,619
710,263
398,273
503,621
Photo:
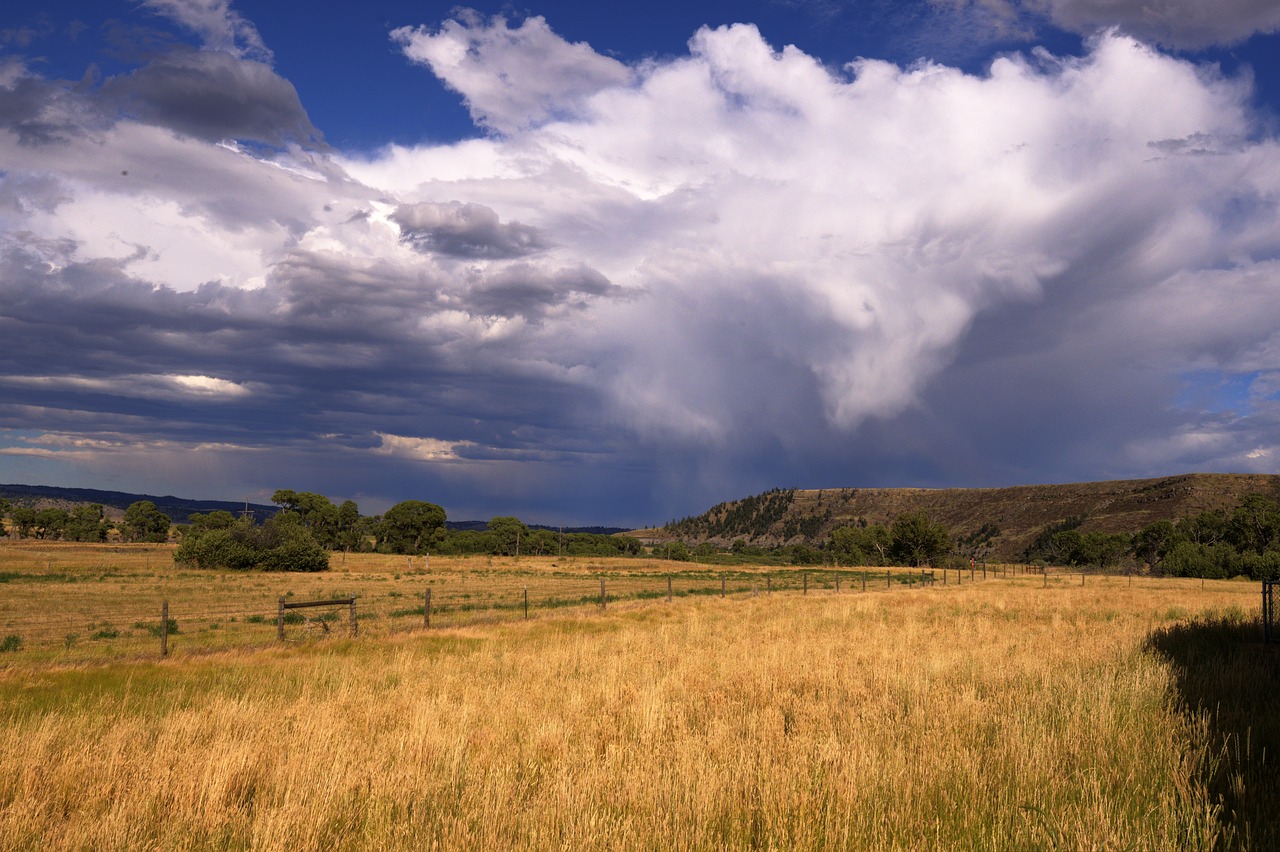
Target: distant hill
177,508
789,516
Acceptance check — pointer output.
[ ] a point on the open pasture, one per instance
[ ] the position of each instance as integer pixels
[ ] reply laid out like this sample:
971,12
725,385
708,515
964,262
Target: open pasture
73,602
994,715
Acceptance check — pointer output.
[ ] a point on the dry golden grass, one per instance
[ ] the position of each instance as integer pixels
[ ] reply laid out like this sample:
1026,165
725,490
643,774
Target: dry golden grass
78,602
993,716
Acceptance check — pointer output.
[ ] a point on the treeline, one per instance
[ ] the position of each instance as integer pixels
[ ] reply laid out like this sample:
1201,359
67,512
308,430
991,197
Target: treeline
1214,544
87,522
309,526
1244,541
913,539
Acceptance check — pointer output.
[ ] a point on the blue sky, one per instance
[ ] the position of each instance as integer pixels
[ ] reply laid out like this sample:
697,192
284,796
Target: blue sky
590,263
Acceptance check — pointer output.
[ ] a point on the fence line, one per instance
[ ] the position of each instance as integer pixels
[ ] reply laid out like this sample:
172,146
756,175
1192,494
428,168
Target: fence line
445,602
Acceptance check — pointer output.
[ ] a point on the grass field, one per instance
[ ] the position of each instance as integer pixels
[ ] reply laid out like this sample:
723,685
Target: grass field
992,715
69,603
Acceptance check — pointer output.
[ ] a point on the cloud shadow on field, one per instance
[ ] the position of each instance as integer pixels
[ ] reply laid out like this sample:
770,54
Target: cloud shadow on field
1223,669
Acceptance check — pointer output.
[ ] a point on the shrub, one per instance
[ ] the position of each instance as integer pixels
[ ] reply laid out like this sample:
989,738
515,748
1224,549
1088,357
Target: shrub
283,543
154,629
12,642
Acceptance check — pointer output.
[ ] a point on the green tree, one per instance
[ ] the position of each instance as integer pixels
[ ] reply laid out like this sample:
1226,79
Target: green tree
411,526
857,544
1051,546
282,543
542,543
508,533
916,540
51,523
1101,549
1204,528
219,519
317,513
461,542
1255,525
1153,542
143,521
674,550
800,554
24,520
1188,559
86,522
349,533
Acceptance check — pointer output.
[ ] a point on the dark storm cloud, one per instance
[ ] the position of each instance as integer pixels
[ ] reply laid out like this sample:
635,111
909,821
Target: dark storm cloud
706,276
524,290
470,231
213,95
329,348
40,112
1174,23
1180,24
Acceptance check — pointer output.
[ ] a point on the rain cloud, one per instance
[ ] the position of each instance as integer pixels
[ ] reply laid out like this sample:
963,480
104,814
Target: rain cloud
645,286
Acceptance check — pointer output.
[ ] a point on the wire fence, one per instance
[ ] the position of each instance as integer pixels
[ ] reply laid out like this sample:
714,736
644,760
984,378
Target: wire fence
87,627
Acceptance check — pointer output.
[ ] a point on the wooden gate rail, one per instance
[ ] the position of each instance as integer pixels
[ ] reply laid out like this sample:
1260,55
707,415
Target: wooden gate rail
348,602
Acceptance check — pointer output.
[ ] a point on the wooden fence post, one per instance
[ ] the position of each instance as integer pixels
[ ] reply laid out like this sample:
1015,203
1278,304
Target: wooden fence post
837,573
355,625
722,584
280,621
426,607
602,599
526,603
888,582
1082,579
768,584
864,581
1045,573
164,629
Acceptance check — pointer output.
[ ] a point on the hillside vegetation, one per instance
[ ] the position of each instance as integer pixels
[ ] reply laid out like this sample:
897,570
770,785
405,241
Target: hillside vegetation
1008,519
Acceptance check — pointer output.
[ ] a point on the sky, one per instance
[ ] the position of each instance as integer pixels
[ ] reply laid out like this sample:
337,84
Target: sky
610,264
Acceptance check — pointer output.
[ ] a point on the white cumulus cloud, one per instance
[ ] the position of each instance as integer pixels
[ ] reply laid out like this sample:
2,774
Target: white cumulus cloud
736,259
791,227
511,78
